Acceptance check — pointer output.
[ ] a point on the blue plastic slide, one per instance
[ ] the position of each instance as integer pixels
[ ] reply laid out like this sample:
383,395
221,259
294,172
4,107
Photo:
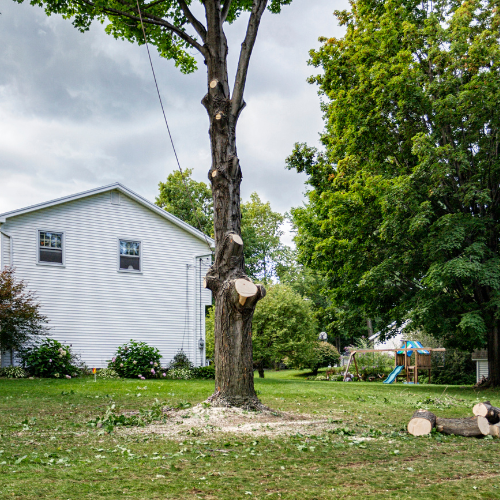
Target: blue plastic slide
392,377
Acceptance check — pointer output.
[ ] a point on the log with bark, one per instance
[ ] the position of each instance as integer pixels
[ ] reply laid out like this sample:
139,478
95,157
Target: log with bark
423,421
492,413
468,427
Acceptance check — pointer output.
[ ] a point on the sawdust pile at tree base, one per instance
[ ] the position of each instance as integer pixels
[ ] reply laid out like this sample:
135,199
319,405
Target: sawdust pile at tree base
203,421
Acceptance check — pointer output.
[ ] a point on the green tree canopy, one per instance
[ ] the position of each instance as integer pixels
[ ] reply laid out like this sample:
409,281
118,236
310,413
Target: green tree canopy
187,199
167,22
261,231
403,211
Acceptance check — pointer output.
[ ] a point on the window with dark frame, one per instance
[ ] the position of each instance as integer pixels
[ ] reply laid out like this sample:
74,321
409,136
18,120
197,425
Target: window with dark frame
50,247
130,255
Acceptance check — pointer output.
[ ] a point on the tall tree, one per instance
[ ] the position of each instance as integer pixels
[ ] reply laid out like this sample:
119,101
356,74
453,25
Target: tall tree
284,327
187,199
261,227
171,26
20,316
403,214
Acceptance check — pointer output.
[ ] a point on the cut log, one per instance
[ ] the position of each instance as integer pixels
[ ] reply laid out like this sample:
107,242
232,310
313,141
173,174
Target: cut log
468,427
492,413
421,423
495,430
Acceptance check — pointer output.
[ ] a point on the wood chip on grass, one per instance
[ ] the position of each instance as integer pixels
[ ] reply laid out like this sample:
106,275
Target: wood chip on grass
200,420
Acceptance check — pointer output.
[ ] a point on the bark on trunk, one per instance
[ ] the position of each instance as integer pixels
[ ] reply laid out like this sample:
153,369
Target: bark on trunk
234,293
421,423
468,427
492,413
494,356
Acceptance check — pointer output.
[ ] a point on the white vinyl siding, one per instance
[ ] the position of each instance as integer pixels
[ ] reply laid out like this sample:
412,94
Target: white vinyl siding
93,306
481,369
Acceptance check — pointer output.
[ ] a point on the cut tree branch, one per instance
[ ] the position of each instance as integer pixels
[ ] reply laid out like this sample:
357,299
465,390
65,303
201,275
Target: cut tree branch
246,51
148,19
200,29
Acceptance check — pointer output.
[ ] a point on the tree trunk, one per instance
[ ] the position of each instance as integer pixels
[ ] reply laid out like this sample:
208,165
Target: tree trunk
492,413
494,356
468,427
234,293
369,327
421,423
260,368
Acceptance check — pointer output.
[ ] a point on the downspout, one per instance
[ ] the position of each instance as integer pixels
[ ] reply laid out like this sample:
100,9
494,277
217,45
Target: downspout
200,312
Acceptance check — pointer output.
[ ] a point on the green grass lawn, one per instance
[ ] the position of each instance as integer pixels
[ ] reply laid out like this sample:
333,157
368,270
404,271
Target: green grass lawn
47,450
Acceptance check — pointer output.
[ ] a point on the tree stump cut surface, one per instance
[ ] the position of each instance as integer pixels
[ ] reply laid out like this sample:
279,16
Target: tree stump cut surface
492,413
421,423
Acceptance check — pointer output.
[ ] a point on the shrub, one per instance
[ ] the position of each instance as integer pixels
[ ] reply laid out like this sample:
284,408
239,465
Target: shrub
324,354
179,374
13,372
204,372
136,359
49,358
180,361
107,373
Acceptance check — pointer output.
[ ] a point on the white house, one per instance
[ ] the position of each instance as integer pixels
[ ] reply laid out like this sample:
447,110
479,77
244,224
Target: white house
108,266
480,356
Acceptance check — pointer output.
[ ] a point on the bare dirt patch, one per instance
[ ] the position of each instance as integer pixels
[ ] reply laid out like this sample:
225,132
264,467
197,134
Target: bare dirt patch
200,421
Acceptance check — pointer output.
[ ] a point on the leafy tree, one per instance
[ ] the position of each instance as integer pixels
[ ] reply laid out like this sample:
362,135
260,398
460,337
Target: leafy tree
403,214
174,30
20,316
260,228
188,200
311,285
283,327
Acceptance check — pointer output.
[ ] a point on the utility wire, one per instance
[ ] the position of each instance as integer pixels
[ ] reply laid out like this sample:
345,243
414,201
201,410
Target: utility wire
169,134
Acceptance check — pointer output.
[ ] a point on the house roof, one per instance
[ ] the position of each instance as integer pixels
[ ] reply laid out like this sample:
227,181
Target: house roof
110,187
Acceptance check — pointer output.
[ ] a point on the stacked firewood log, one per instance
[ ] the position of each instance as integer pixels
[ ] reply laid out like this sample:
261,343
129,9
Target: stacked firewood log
485,422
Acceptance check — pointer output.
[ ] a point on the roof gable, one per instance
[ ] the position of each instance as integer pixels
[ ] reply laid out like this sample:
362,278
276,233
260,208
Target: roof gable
126,191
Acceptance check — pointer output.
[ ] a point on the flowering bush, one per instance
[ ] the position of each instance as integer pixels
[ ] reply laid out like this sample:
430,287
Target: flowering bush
179,374
49,358
107,373
136,359
13,372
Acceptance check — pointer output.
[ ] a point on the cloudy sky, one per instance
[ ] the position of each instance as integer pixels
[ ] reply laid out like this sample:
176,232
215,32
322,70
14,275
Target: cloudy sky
79,111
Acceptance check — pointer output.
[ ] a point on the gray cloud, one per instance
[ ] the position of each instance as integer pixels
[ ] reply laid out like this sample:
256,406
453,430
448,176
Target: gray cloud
80,110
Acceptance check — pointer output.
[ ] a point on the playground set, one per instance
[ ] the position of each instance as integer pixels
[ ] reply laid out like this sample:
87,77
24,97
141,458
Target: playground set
403,360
